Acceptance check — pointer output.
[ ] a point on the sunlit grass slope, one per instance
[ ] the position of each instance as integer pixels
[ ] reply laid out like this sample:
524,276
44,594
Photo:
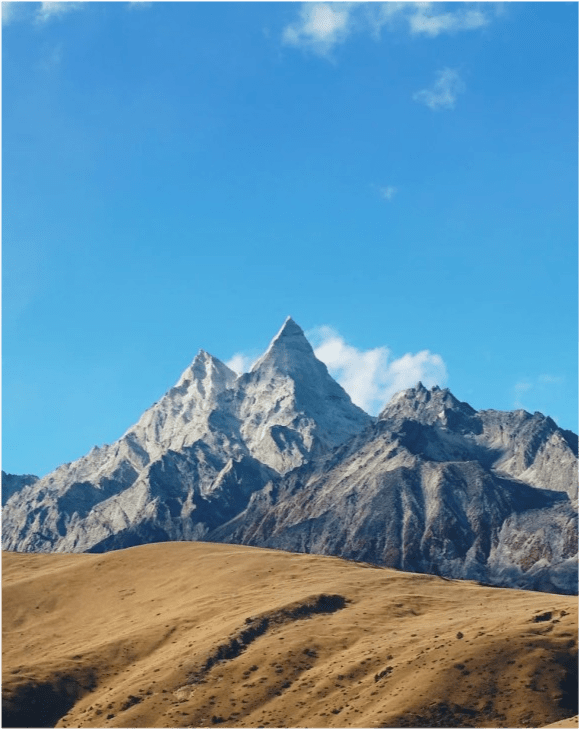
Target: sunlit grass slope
193,634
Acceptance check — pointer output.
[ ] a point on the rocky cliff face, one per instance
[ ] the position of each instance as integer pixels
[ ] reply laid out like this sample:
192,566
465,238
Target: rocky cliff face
280,457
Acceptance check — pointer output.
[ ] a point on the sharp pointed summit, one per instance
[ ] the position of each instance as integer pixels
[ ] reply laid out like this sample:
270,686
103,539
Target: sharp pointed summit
288,351
305,409
289,328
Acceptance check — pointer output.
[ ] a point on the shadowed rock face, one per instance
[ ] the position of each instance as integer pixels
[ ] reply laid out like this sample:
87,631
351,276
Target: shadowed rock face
280,457
529,447
12,483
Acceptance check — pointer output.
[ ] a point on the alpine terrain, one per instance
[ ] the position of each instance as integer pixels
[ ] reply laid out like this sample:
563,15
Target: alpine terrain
280,457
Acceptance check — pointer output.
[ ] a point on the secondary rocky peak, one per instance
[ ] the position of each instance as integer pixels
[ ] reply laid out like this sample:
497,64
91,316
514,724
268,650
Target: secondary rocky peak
428,406
207,368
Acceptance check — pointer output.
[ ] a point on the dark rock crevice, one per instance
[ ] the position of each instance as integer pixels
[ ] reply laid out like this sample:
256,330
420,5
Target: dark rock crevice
258,626
42,703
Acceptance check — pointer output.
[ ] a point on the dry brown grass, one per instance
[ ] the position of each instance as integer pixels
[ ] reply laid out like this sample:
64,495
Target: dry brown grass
193,634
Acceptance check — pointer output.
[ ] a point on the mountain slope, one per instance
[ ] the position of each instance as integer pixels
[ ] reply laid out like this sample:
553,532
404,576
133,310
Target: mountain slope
191,634
420,491
531,448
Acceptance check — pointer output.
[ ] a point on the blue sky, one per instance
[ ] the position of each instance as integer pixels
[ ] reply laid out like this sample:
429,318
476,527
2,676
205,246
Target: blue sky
400,178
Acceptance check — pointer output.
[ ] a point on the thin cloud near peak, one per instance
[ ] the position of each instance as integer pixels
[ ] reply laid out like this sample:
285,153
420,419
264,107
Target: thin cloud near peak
241,362
536,389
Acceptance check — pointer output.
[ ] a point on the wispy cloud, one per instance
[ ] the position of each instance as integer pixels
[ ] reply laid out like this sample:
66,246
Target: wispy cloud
388,192
537,392
371,377
322,26
50,10
427,21
442,94
44,12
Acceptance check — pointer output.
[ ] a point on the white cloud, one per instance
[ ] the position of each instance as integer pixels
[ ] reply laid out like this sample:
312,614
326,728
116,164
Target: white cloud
371,377
49,10
388,192
240,362
321,26
443,93
427,21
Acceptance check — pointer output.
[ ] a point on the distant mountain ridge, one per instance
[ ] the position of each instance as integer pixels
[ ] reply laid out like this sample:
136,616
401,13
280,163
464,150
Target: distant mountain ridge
281,457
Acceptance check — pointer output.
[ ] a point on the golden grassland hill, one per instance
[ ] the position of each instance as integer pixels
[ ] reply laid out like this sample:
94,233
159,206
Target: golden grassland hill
198,634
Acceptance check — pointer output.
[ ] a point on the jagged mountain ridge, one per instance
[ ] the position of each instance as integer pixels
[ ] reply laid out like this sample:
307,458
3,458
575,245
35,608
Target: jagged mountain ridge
280,457
421,490
531,448
271,419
